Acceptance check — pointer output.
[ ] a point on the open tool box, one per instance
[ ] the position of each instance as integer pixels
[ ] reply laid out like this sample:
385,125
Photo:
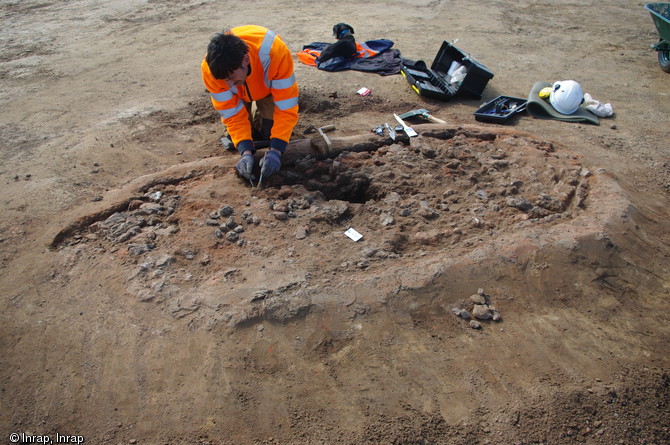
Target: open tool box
501,109
436,82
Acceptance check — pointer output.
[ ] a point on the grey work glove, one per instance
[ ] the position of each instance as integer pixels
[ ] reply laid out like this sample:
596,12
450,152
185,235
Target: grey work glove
270,163
245,166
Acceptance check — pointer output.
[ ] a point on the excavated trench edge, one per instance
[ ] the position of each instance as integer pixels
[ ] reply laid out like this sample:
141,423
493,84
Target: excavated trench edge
119,200
425,272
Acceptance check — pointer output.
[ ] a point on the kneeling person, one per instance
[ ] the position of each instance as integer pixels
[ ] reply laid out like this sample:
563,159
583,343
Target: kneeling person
251,65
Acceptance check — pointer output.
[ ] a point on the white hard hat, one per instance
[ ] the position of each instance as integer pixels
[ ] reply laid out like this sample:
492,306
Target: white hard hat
566,96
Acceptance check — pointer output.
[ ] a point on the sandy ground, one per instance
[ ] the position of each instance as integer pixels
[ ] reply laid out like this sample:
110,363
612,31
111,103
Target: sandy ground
150,296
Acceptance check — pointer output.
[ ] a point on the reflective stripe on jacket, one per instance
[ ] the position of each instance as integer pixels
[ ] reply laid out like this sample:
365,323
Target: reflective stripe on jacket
272,73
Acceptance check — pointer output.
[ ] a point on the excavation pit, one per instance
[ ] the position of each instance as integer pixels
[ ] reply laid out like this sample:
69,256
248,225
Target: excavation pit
201,244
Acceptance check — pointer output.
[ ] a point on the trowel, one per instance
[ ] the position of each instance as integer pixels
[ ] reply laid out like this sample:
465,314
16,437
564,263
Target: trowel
424,114
408,130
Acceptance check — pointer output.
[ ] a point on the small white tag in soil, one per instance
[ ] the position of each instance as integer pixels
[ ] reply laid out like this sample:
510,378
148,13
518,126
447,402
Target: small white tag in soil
354,235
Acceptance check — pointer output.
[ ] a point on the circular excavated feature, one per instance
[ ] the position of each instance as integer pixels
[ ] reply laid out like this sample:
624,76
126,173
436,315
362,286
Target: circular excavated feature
197,242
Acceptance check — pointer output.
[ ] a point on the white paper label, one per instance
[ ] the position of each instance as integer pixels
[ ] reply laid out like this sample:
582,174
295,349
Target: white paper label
354,235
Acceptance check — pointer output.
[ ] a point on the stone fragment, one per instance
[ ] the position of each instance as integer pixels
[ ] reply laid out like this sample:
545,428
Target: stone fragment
301,204
301,233
230,223
226,211
230,272
123,233
369,252
500,163
475,324
145,295
482,312
547,202
426,211
260,294
520,203
386,220
392,198
428,152
280,207
139,249
164,260
478,299
151,207
280,216
113,220
332,212
135,204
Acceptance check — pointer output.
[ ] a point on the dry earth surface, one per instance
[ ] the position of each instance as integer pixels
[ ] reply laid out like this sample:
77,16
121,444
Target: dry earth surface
149,296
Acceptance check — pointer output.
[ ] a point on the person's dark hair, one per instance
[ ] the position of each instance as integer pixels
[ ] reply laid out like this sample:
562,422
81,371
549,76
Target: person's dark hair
225,53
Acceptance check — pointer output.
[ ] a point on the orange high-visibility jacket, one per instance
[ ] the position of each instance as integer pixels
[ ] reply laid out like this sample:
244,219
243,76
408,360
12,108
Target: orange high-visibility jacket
272,73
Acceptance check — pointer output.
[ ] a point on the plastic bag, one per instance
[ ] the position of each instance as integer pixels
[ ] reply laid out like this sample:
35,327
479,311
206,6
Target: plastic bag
597,108
459,75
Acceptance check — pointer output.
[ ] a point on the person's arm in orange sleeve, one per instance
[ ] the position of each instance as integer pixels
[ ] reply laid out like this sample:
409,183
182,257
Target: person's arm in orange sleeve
284,90
233,113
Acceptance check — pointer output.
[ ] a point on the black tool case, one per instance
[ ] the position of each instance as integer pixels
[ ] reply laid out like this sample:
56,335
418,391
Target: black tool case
434,82
501,109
